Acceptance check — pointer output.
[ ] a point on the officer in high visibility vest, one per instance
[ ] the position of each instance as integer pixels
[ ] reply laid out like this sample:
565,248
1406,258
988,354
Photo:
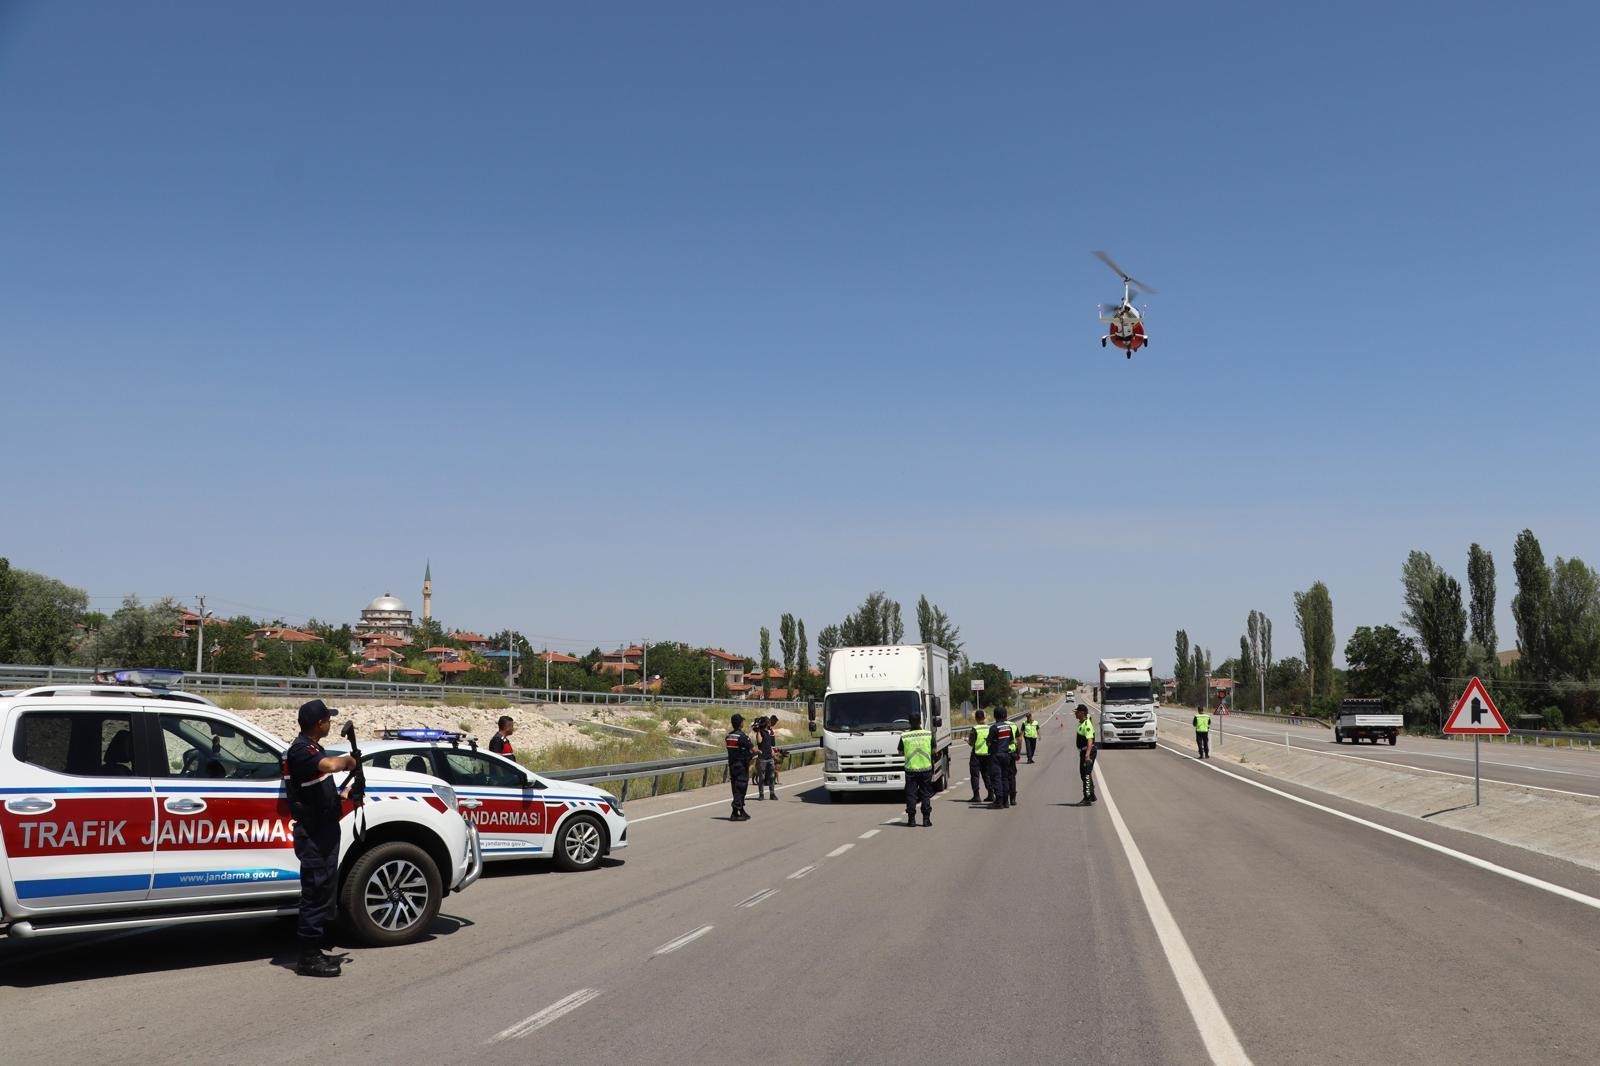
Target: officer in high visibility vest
1003,757
1086,752
916,747
1202,734
978,763
1030,735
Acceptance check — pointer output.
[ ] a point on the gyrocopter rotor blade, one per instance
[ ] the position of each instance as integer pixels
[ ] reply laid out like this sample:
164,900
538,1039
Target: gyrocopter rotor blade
1123,274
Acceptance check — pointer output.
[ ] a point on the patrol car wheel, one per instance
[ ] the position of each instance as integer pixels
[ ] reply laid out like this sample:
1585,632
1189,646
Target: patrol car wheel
391,894
580,843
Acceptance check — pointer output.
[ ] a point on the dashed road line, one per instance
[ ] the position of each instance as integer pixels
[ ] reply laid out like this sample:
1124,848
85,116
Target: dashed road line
798,874
688,938
840,850
534,1022
869,834
751,901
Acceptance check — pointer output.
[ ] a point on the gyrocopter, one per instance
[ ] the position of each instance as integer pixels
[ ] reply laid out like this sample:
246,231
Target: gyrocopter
1125,320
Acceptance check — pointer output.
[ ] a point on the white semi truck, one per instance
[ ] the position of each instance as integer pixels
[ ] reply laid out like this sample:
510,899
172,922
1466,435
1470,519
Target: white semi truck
870,697
1127,702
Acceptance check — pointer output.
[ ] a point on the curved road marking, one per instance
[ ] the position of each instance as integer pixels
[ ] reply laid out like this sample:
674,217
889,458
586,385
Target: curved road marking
1470,860
1215,1030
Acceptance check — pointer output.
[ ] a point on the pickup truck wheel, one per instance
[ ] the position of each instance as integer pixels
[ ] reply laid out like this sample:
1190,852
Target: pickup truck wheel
580,843
1392,739
391,894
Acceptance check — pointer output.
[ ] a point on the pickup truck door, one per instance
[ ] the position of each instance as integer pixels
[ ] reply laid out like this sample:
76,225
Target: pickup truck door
223,826
74,815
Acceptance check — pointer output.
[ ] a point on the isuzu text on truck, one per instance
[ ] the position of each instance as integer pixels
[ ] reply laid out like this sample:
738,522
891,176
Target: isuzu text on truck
871,695
1127,702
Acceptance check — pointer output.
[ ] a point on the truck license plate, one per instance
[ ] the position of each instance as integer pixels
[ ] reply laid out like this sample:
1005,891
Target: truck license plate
875,780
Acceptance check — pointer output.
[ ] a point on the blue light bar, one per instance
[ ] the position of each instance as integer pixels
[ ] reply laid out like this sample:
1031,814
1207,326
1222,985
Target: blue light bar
422,734
148,677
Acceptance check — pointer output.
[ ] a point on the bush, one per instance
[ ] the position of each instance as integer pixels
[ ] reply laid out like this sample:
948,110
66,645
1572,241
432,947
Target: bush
1553,718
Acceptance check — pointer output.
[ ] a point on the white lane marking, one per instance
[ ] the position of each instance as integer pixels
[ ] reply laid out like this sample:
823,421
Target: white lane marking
1422,769
798,874
840,850
715,803
688,938
534,1022
751,901
1215,1031
869,834
1470,860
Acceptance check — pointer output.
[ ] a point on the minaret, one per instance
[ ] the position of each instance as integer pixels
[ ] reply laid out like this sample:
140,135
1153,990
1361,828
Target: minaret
427,591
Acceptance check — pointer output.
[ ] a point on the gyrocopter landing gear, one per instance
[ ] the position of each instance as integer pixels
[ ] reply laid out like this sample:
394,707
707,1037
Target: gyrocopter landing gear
1102,342
1130,354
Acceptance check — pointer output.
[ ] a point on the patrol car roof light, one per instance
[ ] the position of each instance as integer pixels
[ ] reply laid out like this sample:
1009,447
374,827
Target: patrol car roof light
422,734
148,677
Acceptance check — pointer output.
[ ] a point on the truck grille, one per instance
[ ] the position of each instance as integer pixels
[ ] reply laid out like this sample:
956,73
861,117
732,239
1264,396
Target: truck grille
867,763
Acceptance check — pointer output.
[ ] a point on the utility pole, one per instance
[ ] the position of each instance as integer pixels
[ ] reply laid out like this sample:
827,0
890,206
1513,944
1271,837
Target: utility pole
644,670
547,668
200,644
713,661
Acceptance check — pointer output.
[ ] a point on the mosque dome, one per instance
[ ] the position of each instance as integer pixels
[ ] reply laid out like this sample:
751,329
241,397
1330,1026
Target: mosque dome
386,602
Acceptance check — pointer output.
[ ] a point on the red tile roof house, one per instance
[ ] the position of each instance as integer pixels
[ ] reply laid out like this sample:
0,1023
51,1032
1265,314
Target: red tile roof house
450,668
440,655
474,641
556,658
283,633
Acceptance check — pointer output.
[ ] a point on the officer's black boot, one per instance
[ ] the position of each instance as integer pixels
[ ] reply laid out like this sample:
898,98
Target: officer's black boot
911,817
927,821
313,963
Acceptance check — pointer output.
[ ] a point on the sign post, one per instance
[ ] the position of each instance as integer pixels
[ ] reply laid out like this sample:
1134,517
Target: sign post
1476,715
977,687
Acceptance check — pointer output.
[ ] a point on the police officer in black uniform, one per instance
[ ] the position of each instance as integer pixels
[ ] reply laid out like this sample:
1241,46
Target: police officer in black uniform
739,752
1003,759
314,802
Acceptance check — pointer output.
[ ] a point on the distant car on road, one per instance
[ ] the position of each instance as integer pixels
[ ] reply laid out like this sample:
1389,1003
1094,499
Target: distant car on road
519,814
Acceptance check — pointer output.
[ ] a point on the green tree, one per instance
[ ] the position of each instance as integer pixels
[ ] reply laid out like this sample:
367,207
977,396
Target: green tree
786,649
1245,678
1480,611
766,662
876,621
1530,607
1183,668
996,687
38,617
1574,636
1286,683
1258,627
828,639
1313,615
935,627
1383,663
139,634
805,682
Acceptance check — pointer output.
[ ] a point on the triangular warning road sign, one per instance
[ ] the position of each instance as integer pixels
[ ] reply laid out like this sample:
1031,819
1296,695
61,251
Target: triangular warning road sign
1475,712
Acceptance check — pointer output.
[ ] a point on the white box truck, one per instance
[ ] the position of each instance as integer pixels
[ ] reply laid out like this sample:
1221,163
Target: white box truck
871,694
1127,702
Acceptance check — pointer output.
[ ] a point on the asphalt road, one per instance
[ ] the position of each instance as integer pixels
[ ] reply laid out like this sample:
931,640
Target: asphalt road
1251,927
1555,769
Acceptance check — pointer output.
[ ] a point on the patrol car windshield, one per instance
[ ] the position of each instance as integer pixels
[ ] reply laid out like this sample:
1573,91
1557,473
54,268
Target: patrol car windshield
865,712
1127,693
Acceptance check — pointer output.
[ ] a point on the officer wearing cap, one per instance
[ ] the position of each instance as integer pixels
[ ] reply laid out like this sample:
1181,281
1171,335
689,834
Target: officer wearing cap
740,752
1003,758
314,802
916,747
1086,752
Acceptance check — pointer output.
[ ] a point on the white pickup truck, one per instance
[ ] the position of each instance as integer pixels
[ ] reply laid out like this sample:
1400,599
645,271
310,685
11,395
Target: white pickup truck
1360,720
128,806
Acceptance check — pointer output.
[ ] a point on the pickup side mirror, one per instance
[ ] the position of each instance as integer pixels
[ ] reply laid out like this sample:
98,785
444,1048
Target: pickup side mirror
811,715
937,706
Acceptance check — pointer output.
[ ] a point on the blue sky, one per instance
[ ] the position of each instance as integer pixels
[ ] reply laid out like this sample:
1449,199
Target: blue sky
649,320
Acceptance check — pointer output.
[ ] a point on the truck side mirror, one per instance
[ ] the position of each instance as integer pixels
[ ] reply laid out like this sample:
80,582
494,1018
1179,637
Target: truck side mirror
811,715
937,706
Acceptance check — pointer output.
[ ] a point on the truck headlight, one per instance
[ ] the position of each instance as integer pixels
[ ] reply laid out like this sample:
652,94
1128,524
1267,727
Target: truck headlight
830,760
445,793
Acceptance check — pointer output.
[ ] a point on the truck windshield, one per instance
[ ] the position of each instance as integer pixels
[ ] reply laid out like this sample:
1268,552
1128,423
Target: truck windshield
868,711
1127,693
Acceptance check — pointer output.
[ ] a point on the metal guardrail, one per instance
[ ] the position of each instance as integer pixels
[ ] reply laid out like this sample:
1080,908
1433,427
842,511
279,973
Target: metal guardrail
663,768
1573,737
24,676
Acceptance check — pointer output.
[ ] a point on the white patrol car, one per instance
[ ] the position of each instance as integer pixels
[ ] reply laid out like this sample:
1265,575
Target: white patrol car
129,805
519,814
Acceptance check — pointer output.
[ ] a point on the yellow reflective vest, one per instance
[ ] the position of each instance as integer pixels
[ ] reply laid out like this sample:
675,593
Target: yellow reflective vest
1030,730
980,739
917,744
1202,723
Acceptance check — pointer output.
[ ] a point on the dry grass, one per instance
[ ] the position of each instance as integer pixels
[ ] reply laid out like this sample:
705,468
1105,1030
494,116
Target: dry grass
237,701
